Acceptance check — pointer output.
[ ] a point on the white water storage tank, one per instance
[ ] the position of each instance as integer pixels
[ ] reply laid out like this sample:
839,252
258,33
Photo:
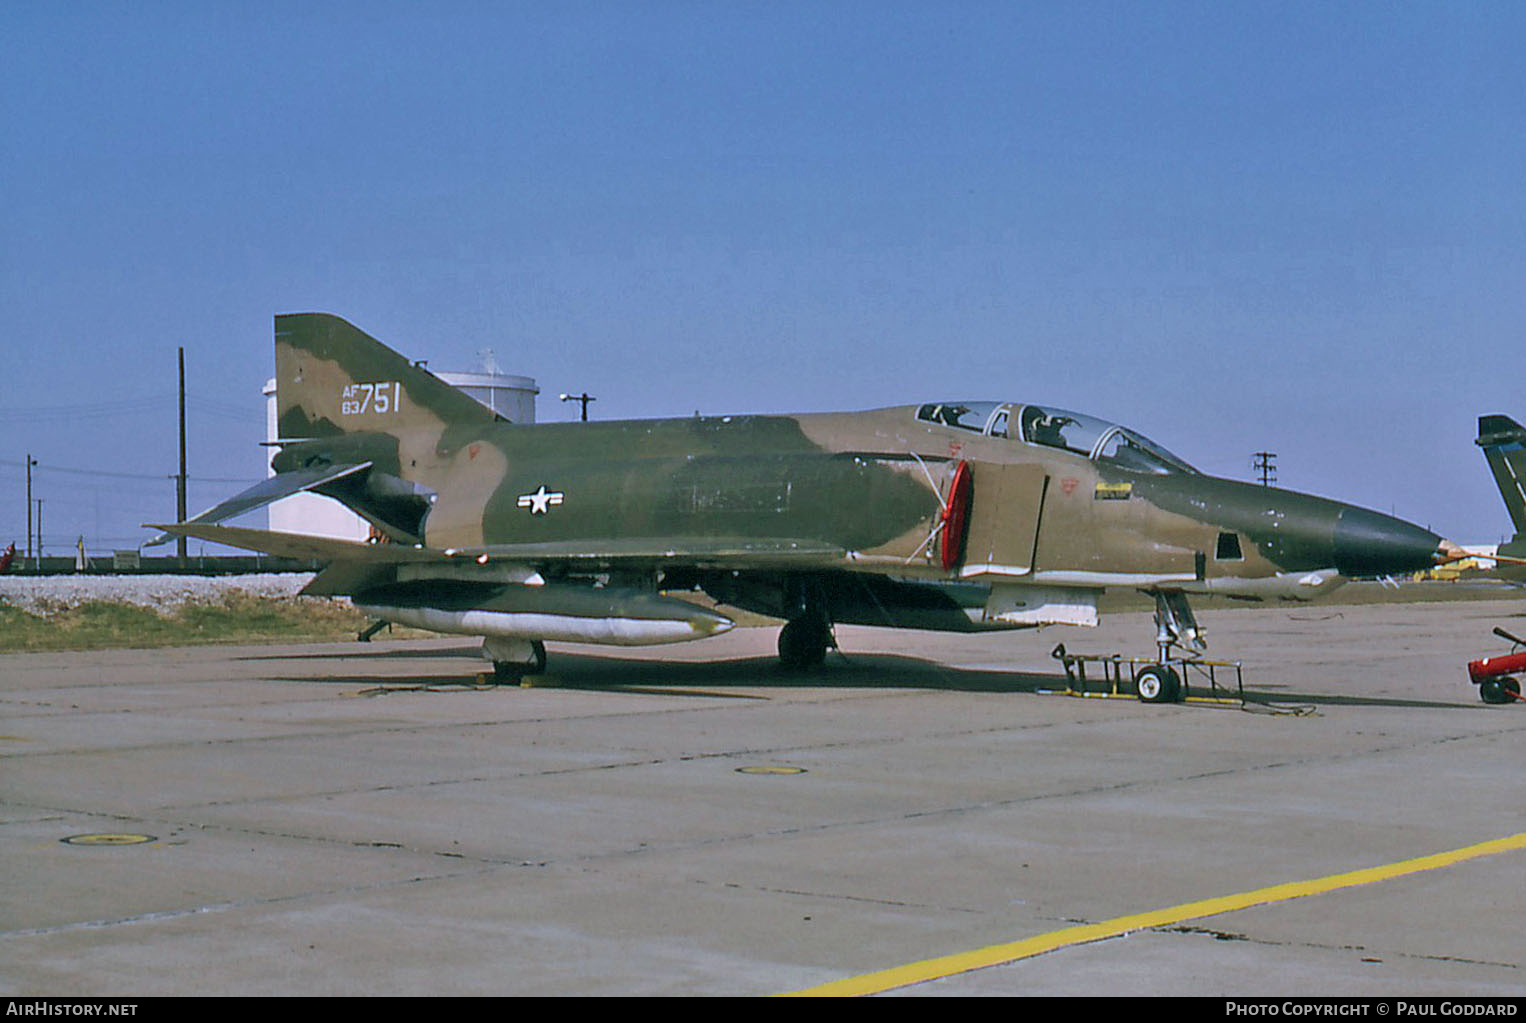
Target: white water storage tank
512,397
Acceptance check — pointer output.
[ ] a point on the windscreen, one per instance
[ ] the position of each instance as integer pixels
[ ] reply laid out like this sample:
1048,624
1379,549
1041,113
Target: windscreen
1094,438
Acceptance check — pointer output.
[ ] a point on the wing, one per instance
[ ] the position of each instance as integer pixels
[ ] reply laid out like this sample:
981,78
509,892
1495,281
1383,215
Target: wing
498,591
711,552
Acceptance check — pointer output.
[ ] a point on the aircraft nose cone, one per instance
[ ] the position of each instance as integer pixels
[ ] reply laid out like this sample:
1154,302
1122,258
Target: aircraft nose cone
1368,543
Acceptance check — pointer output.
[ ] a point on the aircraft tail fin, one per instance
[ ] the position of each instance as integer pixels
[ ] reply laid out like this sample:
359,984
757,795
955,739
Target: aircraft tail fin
333,378
1504,444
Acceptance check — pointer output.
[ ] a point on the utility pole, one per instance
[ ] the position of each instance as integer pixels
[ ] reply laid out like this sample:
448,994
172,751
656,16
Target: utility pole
39,535
30,461
584,398
1266,464
180,541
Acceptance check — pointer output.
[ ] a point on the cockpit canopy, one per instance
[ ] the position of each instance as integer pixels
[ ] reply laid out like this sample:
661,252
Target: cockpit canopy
1084,435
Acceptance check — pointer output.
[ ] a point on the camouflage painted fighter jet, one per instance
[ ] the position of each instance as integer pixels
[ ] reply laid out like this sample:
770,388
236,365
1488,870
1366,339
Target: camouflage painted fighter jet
1504,444
947,515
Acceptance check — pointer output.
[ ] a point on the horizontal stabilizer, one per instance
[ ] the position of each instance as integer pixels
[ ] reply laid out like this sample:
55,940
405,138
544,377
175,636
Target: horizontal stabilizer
265,492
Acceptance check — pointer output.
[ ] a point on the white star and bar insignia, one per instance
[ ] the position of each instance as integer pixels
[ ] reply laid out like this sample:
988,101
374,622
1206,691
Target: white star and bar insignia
541,500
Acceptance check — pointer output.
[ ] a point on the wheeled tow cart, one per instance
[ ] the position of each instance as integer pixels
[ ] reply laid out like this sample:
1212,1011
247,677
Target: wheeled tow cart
1179,679
1496,676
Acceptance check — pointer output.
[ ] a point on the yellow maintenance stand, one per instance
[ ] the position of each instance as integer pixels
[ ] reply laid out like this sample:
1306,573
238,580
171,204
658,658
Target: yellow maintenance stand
1180,679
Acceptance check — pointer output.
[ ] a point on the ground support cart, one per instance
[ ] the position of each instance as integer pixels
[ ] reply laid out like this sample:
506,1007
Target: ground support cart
1498,677
1180,679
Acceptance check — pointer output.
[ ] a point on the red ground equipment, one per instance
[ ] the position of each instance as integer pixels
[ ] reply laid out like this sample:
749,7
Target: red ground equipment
1494,676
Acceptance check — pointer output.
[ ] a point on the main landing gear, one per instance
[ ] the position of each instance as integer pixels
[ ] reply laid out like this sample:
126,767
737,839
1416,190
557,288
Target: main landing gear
806,637
804,641
513,659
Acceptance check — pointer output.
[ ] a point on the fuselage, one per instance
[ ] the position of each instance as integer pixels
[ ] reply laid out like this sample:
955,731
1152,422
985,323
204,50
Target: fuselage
876,484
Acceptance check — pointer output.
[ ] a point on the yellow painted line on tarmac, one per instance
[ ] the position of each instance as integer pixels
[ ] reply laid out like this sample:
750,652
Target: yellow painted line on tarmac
996,955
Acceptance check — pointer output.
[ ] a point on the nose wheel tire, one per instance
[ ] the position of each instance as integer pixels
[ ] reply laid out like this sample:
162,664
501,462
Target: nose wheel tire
1158,684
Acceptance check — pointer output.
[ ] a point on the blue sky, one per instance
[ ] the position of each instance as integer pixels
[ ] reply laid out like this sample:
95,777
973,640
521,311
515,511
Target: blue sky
1234,226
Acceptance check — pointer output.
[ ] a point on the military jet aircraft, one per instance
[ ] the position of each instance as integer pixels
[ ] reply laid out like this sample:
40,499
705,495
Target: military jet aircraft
954,515
1504,444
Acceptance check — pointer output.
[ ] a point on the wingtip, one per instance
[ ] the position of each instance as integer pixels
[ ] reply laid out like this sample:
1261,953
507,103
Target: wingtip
166,533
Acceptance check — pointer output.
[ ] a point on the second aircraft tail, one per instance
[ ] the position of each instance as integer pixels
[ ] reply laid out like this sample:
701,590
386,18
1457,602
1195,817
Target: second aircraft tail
1504,444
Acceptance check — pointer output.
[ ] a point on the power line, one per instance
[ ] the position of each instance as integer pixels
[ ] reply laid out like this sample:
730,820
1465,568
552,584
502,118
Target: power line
131,406
43,469
93,410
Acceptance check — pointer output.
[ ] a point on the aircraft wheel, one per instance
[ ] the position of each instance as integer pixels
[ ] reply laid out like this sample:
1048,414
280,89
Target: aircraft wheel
513,671
803,643
1158,684
1505,689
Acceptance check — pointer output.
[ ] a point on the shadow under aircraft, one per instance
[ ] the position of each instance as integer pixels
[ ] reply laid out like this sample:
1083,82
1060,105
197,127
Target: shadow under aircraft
950,515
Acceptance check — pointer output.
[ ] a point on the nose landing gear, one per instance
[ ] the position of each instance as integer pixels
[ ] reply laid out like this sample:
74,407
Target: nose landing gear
1157,683
1175,624
1163,680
